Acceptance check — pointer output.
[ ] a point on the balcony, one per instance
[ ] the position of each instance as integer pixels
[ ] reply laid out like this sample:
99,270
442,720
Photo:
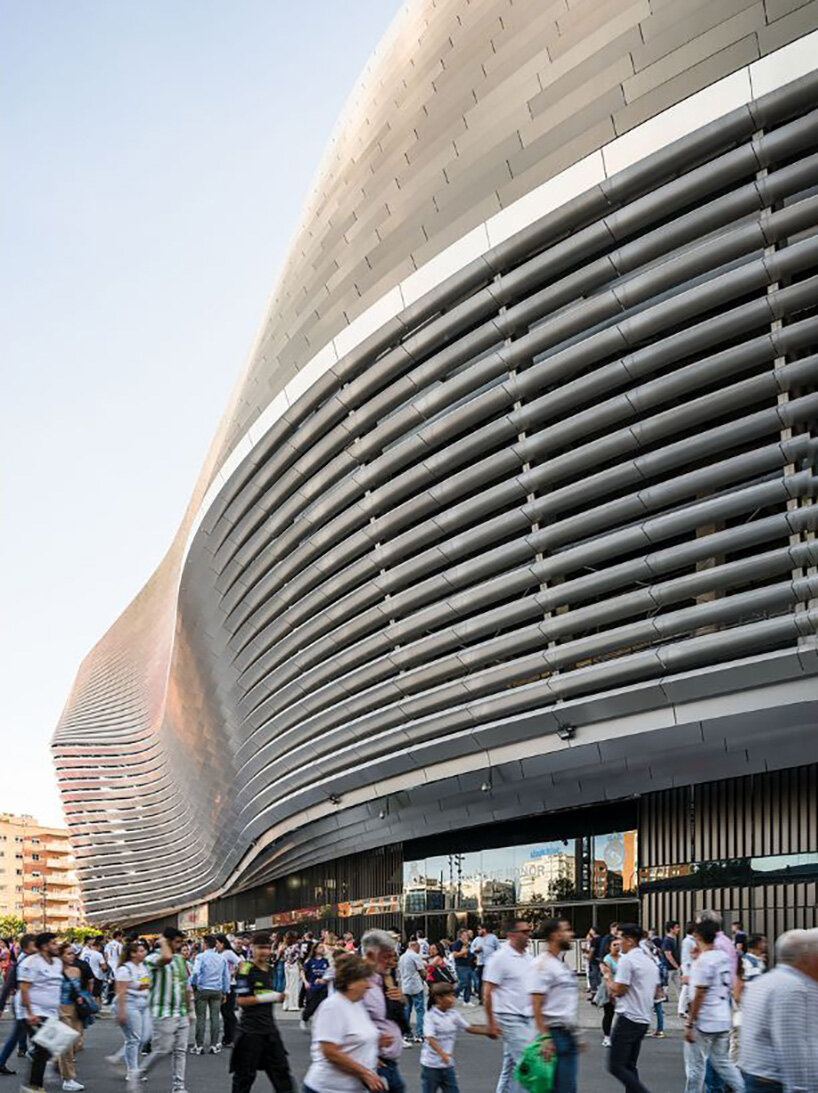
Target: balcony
56,848
62,880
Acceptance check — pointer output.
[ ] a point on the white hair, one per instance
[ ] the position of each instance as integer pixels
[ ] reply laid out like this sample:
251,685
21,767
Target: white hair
795,946
710,916
376,940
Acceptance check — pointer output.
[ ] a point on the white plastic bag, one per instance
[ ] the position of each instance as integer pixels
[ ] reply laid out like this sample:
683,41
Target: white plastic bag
55,1036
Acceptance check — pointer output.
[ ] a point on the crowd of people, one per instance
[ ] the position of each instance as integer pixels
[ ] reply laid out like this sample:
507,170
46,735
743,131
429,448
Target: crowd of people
746,1028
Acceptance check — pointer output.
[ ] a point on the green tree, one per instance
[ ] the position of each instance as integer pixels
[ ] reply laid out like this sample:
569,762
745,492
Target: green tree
11,926
80,933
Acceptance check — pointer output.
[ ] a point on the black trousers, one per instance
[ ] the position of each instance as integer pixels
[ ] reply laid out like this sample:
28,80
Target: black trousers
626,1040
38,1063
229,1018
261,1051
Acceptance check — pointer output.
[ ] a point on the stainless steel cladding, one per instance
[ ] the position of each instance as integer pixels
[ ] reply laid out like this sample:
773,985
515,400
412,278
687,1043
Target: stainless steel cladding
513,507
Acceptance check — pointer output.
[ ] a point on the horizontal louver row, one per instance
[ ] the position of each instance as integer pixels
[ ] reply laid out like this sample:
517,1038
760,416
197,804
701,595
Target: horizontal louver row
587,461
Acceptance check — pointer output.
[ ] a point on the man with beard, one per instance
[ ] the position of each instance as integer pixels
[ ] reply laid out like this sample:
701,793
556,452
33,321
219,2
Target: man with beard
555,1003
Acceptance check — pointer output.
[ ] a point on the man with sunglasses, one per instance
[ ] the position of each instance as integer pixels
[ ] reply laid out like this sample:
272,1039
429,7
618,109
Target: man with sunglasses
507,999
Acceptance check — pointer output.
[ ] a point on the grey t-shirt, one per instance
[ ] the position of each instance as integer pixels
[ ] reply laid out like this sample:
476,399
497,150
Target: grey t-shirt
639,972
410,972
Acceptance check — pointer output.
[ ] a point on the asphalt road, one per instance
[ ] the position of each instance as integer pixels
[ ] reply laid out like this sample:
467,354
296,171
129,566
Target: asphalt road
478,1064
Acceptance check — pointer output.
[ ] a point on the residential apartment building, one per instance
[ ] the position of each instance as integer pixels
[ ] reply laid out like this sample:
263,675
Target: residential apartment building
38,880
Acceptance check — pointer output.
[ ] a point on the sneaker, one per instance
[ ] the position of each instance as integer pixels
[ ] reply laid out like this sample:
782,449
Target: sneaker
658,1035
72,1086
197,1051
417,1040
215,1049
5,1070
606,1041
408,1041
21,1053
303,1025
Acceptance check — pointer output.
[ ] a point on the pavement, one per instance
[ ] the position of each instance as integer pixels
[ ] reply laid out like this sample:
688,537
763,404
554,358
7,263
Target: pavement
478,1061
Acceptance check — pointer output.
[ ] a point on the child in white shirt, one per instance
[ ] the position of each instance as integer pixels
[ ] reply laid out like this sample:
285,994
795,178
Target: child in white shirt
439,1032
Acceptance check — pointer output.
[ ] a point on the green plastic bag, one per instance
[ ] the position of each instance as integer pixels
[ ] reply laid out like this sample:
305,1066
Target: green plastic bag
535,1073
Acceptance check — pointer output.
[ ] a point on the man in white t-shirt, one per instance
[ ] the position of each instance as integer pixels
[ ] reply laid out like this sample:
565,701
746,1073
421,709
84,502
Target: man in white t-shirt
484,947
232,959
688,952
634,991
707,1029
40,980
411,976
93,957
111,953
555,1002
507,999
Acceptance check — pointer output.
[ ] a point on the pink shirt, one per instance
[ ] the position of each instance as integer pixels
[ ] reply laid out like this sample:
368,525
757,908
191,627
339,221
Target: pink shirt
726,946
375,1003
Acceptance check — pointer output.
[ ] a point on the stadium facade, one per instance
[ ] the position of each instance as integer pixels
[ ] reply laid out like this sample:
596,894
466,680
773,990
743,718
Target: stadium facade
499,587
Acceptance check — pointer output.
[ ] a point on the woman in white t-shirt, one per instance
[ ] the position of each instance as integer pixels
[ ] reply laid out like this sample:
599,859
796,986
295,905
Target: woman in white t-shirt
132,983
345,1039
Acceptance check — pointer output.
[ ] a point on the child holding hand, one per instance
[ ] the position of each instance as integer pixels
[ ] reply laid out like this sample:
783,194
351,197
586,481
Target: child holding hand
439,1032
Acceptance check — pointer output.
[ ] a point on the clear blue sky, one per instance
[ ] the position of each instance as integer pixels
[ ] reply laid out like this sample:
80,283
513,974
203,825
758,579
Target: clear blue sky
155,159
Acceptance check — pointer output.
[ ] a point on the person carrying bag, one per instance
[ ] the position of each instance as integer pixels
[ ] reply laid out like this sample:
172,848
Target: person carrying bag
70,996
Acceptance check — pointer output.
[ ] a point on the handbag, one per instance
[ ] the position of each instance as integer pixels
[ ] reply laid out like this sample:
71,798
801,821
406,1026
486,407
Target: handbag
55,1036
534,1072
84,1003
603,995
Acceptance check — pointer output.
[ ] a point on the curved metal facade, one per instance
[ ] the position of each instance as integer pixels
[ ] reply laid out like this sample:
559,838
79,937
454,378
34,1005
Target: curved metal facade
545,523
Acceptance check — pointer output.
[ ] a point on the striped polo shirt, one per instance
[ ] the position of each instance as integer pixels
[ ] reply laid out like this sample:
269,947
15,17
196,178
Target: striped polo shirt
168,990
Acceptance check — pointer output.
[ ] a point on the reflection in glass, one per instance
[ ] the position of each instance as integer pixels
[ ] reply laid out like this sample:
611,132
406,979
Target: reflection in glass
465,871
414,887
786,863
546,871
441,882
614,872
499,889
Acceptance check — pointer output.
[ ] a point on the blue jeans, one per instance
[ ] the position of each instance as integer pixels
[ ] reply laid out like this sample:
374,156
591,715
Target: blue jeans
565,1072
518,1032
659,1010
136,1033
17,1038
712,1081
415,1002
463,983
392,1076
433,1078
757,1085
714,1048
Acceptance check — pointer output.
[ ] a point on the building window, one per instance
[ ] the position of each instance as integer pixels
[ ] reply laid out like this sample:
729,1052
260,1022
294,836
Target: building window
35,857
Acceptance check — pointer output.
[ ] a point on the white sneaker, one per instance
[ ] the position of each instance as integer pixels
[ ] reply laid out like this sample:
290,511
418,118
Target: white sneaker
606,1041
408,1041
72,1086
215,1049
